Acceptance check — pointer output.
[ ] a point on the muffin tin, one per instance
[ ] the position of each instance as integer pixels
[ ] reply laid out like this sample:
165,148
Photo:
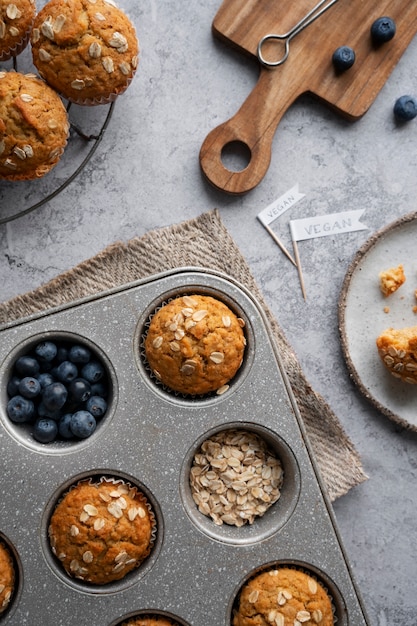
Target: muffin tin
148,438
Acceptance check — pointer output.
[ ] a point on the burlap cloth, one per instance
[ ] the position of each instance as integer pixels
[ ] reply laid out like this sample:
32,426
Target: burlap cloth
203,242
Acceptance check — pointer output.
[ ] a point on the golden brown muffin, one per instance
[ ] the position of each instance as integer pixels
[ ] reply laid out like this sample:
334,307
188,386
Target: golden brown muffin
7,578
85,49
390,280
150,621
16,19
101,531
33,127
283,597
397,348
195,344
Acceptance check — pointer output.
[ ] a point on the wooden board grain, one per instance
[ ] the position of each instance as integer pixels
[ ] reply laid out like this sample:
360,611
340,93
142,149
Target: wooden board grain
308,69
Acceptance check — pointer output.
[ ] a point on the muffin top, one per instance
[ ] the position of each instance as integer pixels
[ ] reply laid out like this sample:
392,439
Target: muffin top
283,596
195,344
85,49
16,19
101,531
150,621
7,577
33,127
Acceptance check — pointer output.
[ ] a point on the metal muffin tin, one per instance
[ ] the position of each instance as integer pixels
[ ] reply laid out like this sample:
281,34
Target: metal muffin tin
149,437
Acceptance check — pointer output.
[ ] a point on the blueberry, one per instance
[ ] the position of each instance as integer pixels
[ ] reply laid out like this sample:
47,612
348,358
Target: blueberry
43,411
27,366
13,386
405,108
79,354
99,389
83,424
62,354
29,387
79,390
45,379
96,405
66,371
46,350
20,410
383,30
343,58
54,396
64,428
93,371
45,430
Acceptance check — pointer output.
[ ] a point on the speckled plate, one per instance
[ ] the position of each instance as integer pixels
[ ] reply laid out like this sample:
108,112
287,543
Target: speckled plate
364,313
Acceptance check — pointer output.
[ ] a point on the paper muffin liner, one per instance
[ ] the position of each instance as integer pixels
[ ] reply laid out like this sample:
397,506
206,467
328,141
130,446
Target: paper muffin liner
14,51
139,495
100,100
298,568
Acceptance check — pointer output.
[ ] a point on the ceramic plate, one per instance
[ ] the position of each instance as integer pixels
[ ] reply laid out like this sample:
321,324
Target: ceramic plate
364,313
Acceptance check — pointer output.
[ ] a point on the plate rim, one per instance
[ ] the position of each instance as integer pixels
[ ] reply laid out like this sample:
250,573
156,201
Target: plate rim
361,253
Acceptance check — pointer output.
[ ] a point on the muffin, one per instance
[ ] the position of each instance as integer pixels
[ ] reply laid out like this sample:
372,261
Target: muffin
100,531
150,621
397,348
87,50
285,597
234,478
390,280
195,344
33,127
16,19
7,578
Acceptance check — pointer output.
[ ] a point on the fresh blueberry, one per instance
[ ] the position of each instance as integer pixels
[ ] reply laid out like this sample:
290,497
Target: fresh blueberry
43,411
383,30
64,427
45,430
46,350
96,405
13,386
29,387
54,396
83,424
79,390
45,379
405,108
93,371
343,58
27,366
62,354
99,389
79,354
66,371
20,410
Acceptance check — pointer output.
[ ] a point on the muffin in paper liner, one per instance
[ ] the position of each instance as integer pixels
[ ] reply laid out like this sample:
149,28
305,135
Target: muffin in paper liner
16,20
87,50
284,595
7,577
150,620
101,530
34,127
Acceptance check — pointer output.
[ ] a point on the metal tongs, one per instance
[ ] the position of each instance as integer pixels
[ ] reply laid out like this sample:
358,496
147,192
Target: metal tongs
308,19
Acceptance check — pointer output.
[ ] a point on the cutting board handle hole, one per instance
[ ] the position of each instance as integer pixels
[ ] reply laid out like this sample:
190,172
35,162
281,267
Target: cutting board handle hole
236,156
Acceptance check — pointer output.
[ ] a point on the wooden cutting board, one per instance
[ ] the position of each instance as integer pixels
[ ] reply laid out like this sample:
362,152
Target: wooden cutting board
308,69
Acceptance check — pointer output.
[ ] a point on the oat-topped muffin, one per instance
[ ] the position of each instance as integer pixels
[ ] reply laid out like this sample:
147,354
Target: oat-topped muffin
195,344
33,127
7,577
150,621
85,49
101,531
285,597
16,19
397,348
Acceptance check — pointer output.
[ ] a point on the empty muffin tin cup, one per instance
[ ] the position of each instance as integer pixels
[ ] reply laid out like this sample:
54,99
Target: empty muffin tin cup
23,432
261,526
142,331
141,569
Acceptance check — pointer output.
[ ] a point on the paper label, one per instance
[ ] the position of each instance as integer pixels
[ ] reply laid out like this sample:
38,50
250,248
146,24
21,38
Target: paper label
325,225
279,206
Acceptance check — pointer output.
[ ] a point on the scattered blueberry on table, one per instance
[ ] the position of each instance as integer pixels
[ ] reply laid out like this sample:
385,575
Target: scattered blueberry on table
383,30
343,58
405,108
60,389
